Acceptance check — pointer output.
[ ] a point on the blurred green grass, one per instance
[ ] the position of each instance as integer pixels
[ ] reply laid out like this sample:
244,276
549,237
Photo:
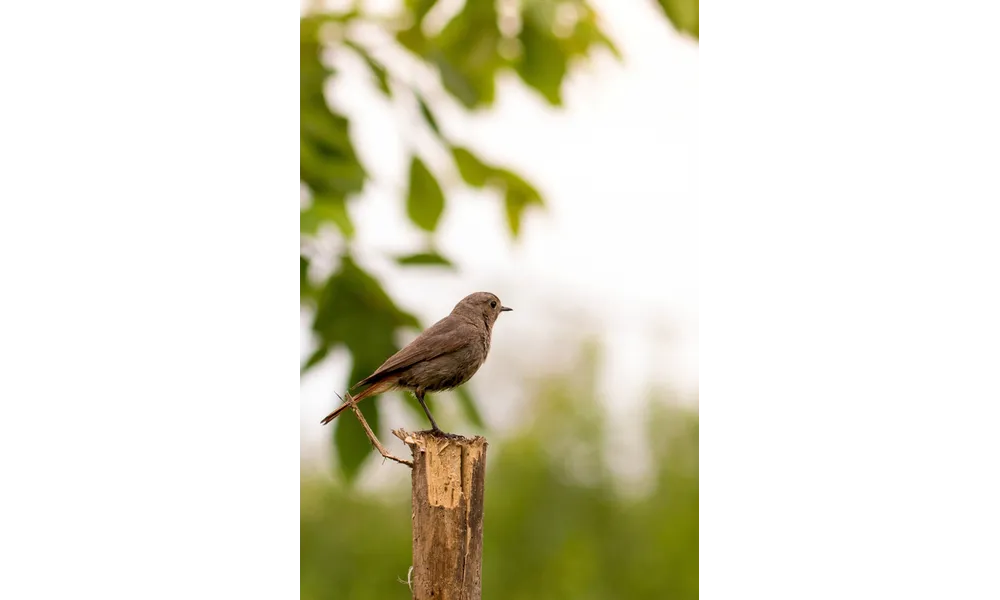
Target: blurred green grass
558,524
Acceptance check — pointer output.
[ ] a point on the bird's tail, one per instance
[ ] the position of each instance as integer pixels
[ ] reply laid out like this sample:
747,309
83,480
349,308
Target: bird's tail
378,388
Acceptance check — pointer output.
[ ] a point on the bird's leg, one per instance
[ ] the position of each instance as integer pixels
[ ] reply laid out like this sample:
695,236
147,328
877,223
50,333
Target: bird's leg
420,399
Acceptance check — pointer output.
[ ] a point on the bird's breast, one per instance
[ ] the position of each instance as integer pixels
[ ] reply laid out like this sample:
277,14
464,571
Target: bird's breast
486,333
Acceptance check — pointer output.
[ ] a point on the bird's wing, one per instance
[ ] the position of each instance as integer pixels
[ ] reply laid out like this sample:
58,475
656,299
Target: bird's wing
444,337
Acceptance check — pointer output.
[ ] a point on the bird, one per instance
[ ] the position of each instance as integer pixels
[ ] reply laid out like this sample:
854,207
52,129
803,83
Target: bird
446,355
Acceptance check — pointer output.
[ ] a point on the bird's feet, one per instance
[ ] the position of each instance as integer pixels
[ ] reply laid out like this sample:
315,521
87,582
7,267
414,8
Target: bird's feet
437,432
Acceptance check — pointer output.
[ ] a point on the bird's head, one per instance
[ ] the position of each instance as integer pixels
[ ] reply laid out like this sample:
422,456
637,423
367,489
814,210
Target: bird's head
480,305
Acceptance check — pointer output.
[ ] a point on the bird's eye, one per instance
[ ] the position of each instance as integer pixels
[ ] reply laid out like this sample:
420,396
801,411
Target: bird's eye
493,303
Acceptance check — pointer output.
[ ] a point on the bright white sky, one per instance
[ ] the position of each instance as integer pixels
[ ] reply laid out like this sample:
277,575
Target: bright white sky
618,243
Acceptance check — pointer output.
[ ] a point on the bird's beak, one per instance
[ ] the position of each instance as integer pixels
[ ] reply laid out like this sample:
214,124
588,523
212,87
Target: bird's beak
505,309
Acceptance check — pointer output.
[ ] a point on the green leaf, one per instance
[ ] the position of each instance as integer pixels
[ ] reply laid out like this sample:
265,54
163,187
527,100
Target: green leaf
425,258
420,8
683,14
461,85
469,407
473,170
312,71
425,201
466,53
518,195
326,209
515,207
328,163
428,115
381,76
315,358
542,64
587,34
354,310
350,439
413,40
306,289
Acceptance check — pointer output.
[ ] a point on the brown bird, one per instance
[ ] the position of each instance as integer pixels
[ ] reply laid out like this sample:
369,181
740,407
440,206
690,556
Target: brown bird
443,357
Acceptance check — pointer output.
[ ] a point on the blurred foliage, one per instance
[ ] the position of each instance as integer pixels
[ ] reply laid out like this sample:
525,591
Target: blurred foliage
683,14
557,522
537,39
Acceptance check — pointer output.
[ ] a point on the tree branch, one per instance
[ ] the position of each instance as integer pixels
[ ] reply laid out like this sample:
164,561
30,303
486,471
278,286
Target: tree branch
371,434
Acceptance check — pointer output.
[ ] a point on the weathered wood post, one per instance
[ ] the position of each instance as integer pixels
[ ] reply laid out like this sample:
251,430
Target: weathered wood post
449,478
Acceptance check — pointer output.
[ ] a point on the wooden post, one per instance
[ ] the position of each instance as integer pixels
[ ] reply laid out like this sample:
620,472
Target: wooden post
449,478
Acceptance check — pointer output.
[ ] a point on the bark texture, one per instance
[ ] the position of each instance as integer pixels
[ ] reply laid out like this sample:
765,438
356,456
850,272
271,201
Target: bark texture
449,476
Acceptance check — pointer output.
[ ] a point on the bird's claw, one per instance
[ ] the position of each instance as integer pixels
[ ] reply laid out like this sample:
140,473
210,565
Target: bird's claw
437,432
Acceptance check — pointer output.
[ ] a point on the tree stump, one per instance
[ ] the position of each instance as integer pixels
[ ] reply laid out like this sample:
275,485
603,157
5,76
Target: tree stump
449,477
